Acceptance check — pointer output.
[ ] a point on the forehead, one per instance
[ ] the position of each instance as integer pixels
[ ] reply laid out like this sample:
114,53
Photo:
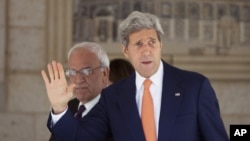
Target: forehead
143,34
82,57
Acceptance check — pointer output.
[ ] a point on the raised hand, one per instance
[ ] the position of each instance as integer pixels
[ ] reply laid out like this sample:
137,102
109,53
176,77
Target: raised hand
59,92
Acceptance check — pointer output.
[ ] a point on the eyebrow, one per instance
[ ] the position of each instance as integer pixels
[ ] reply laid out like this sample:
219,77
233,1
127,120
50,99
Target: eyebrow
150,38
88,67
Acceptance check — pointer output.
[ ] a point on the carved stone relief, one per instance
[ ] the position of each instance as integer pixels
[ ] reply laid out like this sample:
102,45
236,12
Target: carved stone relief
194,21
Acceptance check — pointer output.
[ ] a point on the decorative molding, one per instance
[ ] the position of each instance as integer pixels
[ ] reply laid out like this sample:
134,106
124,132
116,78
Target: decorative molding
230,67
196,23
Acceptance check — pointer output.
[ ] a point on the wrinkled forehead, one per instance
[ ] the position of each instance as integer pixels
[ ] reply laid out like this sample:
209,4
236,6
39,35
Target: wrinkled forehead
143,34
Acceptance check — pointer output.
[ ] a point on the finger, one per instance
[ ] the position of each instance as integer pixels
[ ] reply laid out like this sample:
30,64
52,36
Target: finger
51,73
45,78
61,71
55,69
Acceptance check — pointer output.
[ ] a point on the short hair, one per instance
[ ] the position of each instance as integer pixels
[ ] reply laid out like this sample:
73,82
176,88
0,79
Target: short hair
95,48
119,69
137,21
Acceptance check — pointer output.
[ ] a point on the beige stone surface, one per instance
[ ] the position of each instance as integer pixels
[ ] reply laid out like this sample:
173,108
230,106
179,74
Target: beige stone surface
2,97
233,97
16,127
2,53
27,94
42,132
2,12
27,12
27,49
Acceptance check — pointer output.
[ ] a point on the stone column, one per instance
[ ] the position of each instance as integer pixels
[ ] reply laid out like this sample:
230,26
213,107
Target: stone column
2,53
110,28
96,26
31,33
59,29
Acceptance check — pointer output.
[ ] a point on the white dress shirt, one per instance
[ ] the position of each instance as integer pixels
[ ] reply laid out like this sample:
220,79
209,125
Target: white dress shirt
155,90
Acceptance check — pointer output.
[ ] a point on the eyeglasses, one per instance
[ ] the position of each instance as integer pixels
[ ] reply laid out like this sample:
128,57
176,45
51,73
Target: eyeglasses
84,71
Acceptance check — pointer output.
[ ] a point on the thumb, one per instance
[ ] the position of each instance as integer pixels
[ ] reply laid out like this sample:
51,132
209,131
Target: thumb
70,89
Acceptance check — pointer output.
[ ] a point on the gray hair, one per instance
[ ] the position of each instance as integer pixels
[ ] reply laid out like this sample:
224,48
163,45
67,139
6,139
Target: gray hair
95,48
137,21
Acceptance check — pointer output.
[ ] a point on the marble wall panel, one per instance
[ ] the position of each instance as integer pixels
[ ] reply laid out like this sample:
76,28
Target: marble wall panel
27,49
16,127
27,93
27,12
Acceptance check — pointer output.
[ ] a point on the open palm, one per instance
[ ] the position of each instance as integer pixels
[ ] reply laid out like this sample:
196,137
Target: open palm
59,93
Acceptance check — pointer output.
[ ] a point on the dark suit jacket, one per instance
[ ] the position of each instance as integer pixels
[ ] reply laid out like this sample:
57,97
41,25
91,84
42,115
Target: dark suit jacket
73,107
192,116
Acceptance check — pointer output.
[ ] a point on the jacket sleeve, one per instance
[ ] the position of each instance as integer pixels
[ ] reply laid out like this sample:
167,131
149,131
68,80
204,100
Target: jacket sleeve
209,119
93,127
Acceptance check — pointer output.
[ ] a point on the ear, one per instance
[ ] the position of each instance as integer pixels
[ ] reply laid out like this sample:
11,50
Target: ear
106,76
124,50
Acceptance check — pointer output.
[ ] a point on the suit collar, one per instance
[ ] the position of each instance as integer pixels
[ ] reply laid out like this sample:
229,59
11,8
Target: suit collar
155,78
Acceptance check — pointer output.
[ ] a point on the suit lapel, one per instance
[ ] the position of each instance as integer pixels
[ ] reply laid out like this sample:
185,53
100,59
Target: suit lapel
171,100
129,109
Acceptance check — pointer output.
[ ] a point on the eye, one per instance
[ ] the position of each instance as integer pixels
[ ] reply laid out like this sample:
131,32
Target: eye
139,44
70,72
86,72
73,72
152,42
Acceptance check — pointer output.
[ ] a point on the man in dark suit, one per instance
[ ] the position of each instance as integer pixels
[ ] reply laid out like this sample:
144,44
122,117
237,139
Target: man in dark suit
88,67
157,102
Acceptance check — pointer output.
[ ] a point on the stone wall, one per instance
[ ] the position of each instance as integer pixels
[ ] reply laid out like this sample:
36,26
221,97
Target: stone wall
24,106
35,32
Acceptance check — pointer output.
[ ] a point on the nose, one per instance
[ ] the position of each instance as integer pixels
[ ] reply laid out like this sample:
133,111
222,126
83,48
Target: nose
146,50
79,78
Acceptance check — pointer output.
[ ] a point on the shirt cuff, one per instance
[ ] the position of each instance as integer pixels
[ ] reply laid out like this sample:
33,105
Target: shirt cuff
57,117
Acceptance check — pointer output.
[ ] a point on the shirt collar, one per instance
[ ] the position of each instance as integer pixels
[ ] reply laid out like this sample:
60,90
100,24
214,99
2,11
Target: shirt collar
91,103
155,78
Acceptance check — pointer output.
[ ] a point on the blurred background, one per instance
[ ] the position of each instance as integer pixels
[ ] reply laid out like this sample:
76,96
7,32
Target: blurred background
211,37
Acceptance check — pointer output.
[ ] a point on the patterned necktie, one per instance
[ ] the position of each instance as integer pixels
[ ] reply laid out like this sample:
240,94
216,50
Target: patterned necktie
78,114
147,115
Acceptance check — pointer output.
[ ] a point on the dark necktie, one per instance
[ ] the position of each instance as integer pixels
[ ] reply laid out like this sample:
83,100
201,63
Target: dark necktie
78,114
